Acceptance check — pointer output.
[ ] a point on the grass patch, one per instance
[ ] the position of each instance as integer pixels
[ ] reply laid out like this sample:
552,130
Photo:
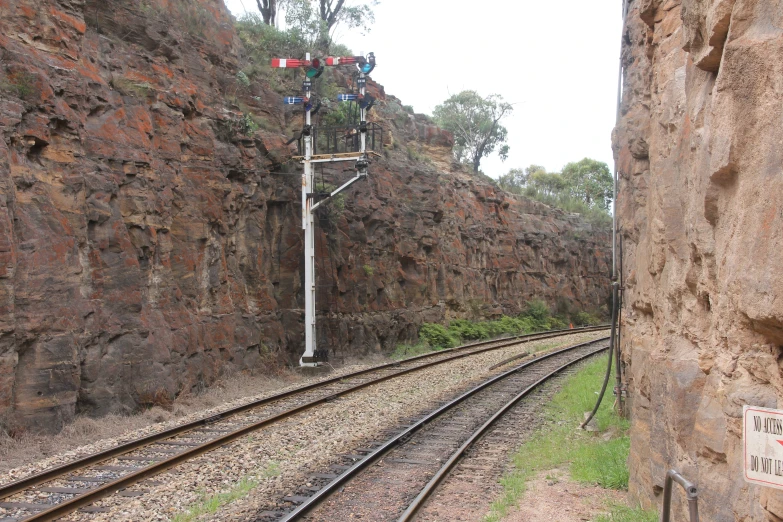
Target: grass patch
272,470
620,513
592,460
209,504
406,351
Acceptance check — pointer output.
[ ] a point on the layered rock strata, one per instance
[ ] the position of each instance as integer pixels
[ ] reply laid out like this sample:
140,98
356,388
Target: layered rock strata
150,231
700,210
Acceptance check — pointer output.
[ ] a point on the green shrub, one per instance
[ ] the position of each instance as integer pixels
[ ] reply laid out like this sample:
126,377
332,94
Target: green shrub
468,330
337,116
437,336
248,125
592,215
413,154
558,323
535,318
537,309
585,319
242,79
511,325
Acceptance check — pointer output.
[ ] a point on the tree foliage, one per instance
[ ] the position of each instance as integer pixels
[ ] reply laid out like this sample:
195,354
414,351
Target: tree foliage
268,10
590,181
475,123
584,187
335,12
315,20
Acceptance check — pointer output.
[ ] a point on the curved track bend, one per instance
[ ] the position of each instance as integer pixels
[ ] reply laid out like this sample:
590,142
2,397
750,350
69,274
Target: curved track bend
410,464
83,481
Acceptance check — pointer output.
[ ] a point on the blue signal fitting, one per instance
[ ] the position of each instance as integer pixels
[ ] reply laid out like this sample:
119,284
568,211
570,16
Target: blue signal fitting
347,97
293,100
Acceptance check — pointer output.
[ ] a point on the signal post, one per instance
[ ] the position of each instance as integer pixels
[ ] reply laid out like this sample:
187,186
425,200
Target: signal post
312,356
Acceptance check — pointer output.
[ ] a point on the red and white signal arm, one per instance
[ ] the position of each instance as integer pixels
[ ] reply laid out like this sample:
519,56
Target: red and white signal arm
762,440
289,63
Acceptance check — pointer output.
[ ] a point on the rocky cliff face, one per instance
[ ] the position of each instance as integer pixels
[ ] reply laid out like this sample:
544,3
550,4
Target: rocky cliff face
150,238
700,210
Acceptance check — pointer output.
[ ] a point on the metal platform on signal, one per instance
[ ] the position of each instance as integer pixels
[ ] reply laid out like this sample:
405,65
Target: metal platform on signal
341,156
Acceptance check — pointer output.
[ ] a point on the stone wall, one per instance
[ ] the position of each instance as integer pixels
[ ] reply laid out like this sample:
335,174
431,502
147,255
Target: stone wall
701,211
150,240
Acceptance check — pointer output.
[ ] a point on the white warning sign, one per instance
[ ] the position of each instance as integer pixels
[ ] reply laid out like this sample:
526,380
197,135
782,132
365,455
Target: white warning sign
762,438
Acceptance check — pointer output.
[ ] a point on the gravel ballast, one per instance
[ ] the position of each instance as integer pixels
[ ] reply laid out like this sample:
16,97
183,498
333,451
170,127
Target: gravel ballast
281,456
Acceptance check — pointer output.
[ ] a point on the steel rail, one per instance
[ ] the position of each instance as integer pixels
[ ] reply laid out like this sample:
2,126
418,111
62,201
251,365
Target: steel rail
443,472
379,452
56,472
120,483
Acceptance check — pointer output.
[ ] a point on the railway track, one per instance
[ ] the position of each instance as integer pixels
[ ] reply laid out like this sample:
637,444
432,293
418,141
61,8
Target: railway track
393,480
58,491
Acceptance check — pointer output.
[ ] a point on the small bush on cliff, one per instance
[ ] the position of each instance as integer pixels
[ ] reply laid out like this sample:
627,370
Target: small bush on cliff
129,87
20,84
195,18
242,79
230,129
437,336
248,125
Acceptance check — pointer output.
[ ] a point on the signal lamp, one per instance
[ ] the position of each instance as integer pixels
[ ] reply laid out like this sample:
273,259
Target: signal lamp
315,69
367,102
366,65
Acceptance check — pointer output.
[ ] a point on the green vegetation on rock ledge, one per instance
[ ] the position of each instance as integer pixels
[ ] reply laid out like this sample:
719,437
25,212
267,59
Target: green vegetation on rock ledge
583,187
536,318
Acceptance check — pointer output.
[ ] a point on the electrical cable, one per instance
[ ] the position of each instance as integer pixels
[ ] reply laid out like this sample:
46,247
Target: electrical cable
609,365
615,297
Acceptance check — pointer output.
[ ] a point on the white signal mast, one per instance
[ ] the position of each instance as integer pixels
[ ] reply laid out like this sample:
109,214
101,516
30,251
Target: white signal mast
312,356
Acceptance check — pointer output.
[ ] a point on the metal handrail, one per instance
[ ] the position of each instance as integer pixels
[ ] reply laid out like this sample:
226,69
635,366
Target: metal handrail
343,138
691,493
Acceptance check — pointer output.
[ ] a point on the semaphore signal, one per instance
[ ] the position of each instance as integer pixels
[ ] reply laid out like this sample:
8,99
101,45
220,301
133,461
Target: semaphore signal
310,200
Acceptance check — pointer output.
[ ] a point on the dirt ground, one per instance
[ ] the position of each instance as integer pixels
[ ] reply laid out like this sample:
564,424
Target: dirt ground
553,496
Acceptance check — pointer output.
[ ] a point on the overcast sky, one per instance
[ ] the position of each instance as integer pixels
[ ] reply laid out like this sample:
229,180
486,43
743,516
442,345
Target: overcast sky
556,61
